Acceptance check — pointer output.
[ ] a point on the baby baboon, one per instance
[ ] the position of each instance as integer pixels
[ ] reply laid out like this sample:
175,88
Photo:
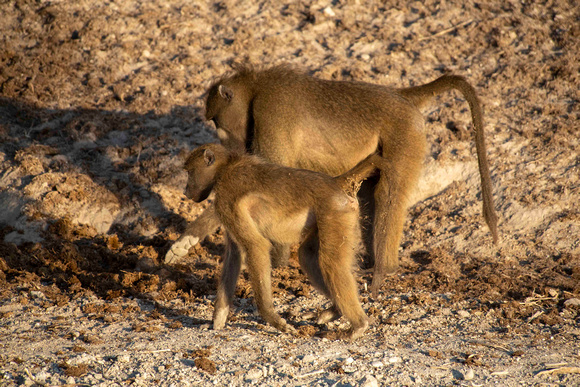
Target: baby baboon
261,204
290,118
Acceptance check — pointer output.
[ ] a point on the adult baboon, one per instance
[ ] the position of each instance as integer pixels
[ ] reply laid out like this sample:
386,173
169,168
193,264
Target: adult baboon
261,203
293,119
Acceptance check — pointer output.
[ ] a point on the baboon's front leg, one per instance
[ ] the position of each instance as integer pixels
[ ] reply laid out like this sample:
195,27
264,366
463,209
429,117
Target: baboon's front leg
227,284
204,225
259,268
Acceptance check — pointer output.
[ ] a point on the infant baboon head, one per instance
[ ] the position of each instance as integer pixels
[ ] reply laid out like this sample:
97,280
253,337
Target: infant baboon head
201,166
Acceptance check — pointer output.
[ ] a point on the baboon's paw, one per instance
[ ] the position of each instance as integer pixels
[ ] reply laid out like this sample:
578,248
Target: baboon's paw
220,317
327,316
180,248
283,326
355,332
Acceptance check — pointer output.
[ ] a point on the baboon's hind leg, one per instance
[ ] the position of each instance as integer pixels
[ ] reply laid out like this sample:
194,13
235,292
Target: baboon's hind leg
339,237
280,254
308,258
391,200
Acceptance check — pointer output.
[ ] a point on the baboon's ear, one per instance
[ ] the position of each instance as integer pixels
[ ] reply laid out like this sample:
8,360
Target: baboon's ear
225,92
208,157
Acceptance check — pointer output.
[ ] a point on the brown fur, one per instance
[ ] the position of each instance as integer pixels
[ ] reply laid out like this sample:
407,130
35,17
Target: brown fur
292,119
261,204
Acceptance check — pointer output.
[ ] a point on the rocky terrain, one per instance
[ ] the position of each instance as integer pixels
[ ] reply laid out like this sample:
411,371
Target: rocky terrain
100,102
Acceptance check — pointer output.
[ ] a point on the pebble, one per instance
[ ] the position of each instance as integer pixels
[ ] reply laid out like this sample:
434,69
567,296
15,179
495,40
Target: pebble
572,302
71,380
308,358
469,374
254,374
329,12
463,313
369,381
41,376
84,358
37,294
377,364
349,360
124,358
395,359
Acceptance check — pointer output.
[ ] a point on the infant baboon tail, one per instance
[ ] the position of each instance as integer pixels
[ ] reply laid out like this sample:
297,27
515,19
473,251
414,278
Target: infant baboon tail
351,180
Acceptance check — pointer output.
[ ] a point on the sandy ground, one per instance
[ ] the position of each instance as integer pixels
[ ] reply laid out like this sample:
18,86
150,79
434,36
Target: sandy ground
100,102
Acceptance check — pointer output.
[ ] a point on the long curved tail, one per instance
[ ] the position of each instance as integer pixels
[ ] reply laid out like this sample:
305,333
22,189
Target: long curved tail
421,95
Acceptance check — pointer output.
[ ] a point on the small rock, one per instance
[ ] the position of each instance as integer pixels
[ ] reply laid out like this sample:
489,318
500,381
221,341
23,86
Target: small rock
463,313
329,12
572,302
369,381
308,358
37,294
377,364
254,374
349,369
71,380
395,359
124,358
349,360
41,376
469,374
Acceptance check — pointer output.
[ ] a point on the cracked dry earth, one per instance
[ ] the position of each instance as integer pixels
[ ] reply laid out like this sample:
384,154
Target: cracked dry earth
100,102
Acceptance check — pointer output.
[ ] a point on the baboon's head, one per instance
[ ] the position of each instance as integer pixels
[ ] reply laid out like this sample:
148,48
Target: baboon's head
227,107
202,166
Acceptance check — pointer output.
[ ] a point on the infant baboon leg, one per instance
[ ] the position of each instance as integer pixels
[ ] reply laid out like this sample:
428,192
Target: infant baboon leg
227,284
280,254
343,288
308,259
357,331
259,268
338,240
206,223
